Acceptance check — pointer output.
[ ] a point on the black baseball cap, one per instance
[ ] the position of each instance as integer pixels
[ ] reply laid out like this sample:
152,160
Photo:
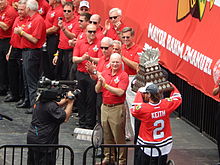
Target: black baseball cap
149,88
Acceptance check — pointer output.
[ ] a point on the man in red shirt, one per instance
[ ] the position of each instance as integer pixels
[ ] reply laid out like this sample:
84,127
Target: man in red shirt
83,21
7,17
114,25
33,37
43,7
86,50
103,64
130,58
69,30
84,7
14,57
216,92
96,20
52,29
113,83
155,129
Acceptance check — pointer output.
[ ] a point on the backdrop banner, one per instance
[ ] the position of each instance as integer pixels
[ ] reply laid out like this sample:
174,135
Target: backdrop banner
187,32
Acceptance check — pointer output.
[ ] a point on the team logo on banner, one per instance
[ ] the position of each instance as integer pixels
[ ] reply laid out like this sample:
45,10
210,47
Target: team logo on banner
194,7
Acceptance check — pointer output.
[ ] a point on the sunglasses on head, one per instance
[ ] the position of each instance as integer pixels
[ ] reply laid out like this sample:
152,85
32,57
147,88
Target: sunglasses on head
91,31
113,17
103,47
92,22
127,37
68,11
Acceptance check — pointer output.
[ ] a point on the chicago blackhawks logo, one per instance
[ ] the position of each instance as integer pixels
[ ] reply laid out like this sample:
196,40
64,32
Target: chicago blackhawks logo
194,7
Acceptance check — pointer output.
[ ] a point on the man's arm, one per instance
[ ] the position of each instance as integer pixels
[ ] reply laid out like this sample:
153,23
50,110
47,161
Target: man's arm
131,64
216,90
4,26
52,30
116,91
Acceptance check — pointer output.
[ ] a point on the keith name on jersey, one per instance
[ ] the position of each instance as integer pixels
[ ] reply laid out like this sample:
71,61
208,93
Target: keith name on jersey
158,114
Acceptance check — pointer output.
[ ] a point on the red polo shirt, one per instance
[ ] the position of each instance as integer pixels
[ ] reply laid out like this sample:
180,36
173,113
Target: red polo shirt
112,33
104,63
16,38
52,16
7,16
81,47
43,8
37,29
132,55
120,80
73,27
82,35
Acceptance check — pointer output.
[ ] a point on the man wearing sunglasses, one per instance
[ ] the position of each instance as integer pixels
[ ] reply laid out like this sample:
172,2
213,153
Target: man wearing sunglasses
96,20
103,64
69,30
131,61
114,25
86,50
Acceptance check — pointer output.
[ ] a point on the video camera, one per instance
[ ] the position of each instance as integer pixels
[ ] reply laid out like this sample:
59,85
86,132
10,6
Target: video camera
51,90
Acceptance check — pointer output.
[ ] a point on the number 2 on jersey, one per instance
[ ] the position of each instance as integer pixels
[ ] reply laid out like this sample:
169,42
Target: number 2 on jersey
158,133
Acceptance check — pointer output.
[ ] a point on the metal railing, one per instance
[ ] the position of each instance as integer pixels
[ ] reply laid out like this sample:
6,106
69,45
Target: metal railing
18,154
129,152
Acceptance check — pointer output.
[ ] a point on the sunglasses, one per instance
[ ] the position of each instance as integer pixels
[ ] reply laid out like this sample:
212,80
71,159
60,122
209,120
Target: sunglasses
91,31
115,49
92,22
102,47
114,17
68,11
80,20
83,9
127,37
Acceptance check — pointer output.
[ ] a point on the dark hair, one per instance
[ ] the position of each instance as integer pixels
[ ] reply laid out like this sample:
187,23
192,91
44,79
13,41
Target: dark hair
69,4
128,29
155,97
86,15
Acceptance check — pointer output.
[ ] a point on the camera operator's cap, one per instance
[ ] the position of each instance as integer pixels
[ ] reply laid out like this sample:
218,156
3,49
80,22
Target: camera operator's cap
84,4
149,88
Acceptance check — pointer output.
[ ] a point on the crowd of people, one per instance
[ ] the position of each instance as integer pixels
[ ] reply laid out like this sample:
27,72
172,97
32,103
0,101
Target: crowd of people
63,40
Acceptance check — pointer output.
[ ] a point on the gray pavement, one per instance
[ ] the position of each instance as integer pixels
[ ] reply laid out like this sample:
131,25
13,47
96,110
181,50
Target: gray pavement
190,147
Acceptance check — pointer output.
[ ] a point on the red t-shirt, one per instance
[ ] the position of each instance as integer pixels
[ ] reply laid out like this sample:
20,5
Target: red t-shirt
120,80
52,16
104,63
112,33
81,47
132,55
35,27
43,8
7,16
16,38
73,27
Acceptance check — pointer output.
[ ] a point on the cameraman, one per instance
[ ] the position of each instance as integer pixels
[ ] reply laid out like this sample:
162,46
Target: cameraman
45,126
